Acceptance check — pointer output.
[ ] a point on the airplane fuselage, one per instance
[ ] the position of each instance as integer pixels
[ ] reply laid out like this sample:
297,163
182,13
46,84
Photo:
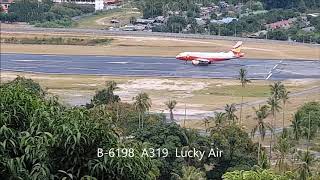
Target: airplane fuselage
205,58
211,57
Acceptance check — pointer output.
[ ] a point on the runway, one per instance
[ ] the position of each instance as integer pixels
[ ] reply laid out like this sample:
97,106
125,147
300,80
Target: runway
158,66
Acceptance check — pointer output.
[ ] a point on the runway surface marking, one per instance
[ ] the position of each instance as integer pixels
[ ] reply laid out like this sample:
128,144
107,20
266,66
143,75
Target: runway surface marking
158,66
274,68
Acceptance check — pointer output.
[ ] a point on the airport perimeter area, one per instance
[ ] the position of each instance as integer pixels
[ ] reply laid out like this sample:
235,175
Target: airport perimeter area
156,90
148,64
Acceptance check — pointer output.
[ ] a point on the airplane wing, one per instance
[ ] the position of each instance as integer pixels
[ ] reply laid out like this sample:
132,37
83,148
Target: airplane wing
239,43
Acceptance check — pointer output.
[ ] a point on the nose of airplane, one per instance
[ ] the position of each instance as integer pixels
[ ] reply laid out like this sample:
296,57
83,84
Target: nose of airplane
179,56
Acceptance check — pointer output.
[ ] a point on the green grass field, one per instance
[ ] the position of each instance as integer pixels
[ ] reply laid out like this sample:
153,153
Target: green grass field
237,90
251,90
102,20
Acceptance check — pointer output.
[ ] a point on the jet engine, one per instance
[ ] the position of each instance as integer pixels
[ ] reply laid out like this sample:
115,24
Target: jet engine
200,63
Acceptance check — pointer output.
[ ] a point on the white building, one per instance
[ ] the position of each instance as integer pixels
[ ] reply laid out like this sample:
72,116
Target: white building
98,4
226,20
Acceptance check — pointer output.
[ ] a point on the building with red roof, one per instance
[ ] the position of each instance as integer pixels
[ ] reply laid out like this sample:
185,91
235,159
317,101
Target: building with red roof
112,2
5,4
285,24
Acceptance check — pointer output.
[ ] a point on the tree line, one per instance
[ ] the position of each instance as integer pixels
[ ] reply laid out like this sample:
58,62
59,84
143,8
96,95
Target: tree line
246,25
44,13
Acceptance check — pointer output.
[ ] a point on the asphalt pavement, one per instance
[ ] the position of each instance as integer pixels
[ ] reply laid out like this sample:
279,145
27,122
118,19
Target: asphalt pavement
158,66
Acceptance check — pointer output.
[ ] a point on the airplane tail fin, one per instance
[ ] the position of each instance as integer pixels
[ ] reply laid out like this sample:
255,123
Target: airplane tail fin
236,49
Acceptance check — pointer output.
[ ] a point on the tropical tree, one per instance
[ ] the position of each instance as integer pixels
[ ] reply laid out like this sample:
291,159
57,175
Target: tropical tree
206,122
236,155
310,119
282,148
306,161
243,80
106,95
193,141
170,136
230,112
42,139
273,102
190,173
297,125
274,108
219,119
171,104
264,160
260,115
142,104
284,96
276,89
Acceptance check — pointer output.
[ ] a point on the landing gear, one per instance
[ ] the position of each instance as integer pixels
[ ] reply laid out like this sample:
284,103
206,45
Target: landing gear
185,62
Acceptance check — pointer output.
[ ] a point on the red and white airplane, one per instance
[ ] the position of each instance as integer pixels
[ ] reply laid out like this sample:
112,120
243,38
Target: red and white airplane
205,58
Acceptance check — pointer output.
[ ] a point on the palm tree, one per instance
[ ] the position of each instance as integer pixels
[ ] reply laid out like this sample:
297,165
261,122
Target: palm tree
274,108
243,80
230,112
171,104
284,96
263,161
282,149
260,115
106,95
142,104
276,89
190,173
306,161
206,122
219,118
296,125
306,158
191,138
111,85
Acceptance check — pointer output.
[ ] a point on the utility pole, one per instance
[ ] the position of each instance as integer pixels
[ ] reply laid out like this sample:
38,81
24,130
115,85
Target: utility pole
309,133
185,115
310,40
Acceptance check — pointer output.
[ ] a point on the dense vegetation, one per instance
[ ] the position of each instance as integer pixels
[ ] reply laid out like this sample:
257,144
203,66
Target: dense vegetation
45,13
153,8
182,16
247,24
42,139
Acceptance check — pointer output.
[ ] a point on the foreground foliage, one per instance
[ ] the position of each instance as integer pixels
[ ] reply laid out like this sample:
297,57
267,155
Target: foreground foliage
256,175
42,139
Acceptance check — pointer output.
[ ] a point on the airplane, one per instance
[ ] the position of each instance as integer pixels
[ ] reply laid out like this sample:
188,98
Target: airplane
206,58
